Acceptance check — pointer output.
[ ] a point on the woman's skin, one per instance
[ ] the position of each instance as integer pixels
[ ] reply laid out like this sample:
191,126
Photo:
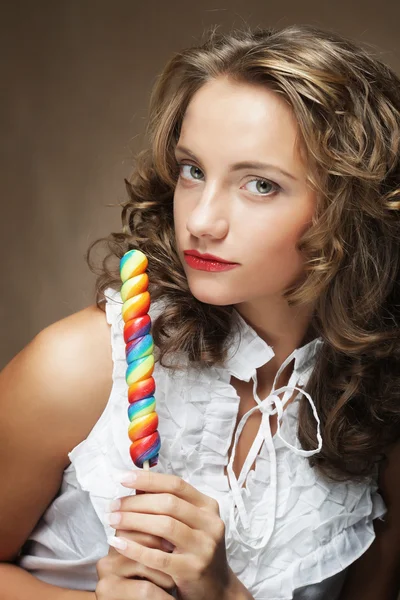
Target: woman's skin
224,124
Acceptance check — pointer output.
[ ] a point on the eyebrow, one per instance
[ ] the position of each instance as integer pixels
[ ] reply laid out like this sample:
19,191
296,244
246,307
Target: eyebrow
254,164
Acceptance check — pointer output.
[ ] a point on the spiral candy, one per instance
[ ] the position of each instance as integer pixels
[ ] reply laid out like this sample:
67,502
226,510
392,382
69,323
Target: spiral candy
139,347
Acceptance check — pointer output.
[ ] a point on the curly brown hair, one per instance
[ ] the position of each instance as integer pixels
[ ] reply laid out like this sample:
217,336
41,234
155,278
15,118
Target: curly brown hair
347,105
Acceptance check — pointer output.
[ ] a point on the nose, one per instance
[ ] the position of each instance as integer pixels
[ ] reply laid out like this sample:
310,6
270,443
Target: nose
209,216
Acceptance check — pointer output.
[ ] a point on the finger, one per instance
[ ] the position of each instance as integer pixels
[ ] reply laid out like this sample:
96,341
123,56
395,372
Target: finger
133,568
149,481
172,506
157,577
179,534
121,589
178,566
145,539
117,565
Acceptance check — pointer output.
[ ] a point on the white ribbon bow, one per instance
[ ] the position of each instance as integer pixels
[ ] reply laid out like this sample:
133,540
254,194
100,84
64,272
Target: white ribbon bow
265,406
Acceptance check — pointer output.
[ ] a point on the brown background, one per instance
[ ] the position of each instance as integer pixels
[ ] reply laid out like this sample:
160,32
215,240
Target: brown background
77,77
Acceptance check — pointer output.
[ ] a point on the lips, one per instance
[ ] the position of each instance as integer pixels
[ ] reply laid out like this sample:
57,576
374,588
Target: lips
207,256
207,262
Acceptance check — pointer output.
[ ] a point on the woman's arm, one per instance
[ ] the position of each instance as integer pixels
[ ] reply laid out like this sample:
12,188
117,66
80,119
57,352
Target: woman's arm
376,575
18,584
50,398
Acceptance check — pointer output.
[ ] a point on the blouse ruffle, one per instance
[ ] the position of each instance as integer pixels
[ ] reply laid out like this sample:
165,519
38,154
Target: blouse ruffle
320,527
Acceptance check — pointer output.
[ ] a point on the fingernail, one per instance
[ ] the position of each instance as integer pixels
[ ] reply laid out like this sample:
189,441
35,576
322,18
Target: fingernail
113,518
117,542
128,477
114,505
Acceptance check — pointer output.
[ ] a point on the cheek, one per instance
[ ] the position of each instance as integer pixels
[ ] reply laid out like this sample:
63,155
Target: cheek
273,253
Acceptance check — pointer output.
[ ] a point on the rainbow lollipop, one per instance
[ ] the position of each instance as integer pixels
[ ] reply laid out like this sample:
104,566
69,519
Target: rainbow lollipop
139,347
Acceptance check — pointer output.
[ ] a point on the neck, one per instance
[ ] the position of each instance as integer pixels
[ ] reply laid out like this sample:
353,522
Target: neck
282,327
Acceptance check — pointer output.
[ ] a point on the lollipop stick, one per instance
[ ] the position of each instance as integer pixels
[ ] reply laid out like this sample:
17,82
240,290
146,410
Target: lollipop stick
146,467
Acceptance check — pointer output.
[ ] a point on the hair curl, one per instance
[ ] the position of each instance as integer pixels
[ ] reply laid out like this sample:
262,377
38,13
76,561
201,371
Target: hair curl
347,104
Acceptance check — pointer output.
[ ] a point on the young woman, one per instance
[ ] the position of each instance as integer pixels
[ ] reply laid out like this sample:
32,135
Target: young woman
268,206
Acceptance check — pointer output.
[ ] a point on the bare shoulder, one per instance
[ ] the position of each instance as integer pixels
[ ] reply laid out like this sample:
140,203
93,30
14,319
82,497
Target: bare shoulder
51,395
72,358
63,376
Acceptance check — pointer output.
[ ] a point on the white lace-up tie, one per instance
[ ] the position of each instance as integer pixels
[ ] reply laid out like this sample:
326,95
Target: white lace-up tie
264,434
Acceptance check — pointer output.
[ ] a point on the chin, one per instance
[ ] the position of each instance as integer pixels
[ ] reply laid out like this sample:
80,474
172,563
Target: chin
208,295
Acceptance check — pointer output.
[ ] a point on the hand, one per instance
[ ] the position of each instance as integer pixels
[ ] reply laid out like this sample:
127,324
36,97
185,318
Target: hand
115,572
188,519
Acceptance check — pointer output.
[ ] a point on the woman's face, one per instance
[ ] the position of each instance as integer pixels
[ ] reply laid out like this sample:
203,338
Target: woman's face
251,215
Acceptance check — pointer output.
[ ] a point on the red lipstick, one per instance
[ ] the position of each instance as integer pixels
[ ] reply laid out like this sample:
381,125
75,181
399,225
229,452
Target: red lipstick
207,262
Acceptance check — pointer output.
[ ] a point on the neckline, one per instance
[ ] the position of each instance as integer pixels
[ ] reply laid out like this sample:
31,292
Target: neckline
248,351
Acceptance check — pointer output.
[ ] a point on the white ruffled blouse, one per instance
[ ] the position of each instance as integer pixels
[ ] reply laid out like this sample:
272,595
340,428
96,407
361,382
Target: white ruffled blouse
289,533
